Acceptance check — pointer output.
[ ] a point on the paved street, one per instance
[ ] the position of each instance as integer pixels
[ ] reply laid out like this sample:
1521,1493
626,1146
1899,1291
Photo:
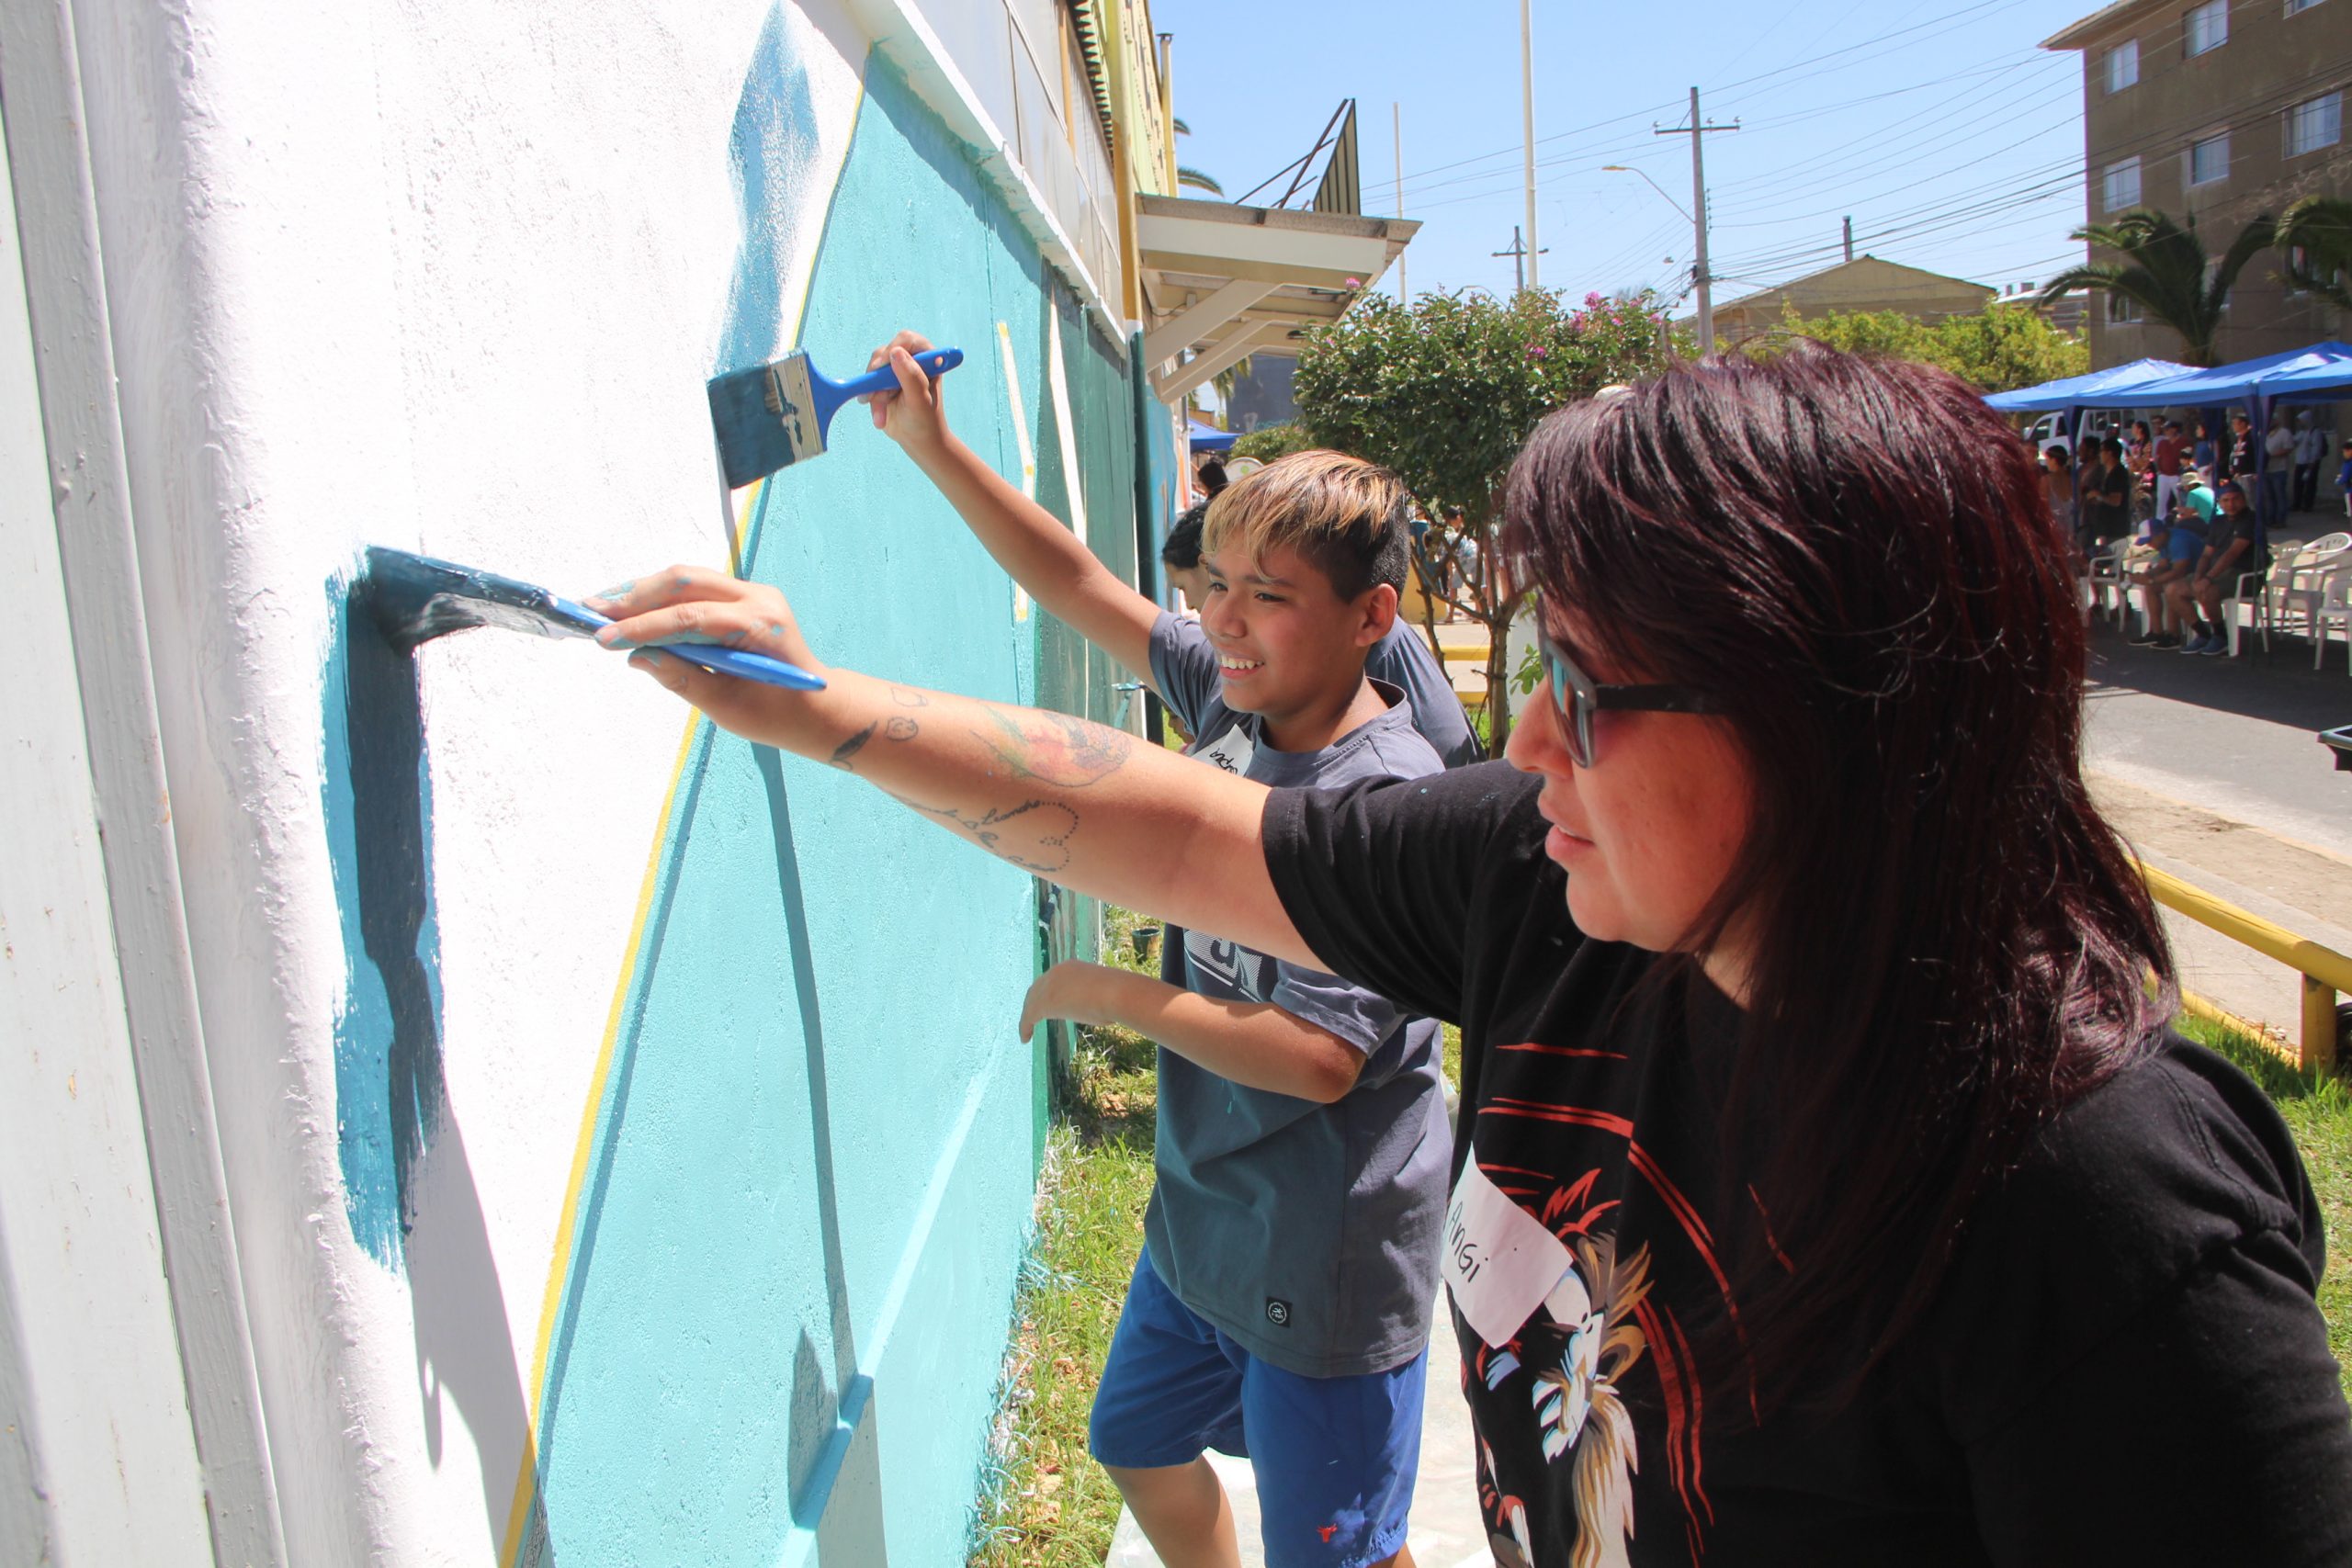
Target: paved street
2210,768
2232,735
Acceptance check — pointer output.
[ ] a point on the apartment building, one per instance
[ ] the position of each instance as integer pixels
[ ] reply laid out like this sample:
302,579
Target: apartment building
2220,111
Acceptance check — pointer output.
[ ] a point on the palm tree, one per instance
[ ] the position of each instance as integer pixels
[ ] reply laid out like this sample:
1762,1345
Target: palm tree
1191,176
2165,271
2316,235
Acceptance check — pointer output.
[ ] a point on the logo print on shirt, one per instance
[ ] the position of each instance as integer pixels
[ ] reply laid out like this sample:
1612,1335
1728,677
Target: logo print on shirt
1247,972
1278,1312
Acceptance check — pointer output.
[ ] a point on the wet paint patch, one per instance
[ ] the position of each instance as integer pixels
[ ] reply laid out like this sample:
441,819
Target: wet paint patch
377,793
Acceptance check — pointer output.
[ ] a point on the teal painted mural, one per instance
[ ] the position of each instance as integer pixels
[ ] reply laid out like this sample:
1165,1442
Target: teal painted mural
378,808
808,1184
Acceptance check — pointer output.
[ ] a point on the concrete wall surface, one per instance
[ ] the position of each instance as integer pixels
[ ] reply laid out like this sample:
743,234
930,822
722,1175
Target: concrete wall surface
627,1145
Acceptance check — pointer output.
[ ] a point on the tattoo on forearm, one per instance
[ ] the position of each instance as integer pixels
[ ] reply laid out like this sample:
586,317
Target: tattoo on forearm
907,699
903,730
1034,835
850,748
1056,748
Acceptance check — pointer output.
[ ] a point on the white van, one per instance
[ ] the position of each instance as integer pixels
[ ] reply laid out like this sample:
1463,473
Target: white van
2050,430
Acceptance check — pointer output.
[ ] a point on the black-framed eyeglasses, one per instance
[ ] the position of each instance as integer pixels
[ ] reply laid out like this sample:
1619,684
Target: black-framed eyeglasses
1577,697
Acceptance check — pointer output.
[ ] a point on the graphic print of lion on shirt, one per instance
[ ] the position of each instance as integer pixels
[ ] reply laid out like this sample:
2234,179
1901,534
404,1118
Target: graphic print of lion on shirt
1580,1346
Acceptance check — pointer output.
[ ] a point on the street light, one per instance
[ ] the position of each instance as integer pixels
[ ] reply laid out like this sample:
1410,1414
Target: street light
1626,169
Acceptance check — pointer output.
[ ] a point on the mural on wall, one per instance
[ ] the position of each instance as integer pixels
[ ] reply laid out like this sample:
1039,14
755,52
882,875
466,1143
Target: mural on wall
780,1289
625,1148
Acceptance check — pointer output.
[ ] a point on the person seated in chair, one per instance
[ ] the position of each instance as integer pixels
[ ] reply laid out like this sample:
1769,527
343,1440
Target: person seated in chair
2233,550
2179,542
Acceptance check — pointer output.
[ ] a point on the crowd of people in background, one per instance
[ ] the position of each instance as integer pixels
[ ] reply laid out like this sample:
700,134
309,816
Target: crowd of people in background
2186,513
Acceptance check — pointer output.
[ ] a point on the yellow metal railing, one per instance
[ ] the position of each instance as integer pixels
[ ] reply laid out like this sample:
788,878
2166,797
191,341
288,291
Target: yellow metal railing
2324,971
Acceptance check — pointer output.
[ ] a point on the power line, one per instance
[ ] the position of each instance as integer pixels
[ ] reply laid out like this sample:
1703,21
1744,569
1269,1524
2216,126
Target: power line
1949,17
1627,148
1853,202
2062,180
1935,133
1932,22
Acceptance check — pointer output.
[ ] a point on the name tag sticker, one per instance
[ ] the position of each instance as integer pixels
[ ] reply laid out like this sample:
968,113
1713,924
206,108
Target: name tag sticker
1231,752
1500,1262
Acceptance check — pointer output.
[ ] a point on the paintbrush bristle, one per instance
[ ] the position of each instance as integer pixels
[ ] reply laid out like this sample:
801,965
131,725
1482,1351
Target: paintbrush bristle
764,419
417,598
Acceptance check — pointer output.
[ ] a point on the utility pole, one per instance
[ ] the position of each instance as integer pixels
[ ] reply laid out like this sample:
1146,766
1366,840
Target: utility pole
1849,242
1396,129
1522,259
1527,118
1697,132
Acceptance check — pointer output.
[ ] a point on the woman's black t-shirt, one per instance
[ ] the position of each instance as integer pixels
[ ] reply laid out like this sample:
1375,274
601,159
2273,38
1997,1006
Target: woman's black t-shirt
2125,1363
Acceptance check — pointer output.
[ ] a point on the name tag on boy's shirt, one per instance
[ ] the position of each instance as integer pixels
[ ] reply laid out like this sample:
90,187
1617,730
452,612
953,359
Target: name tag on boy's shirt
1231,752
1499,1260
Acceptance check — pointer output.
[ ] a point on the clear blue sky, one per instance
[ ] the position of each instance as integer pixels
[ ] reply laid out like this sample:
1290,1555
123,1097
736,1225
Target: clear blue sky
1951,137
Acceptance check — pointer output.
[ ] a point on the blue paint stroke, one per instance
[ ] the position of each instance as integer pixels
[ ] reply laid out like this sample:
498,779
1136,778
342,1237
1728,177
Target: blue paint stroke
377,792
774,142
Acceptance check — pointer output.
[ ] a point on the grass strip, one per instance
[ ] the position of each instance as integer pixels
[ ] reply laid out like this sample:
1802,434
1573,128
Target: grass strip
1045,1503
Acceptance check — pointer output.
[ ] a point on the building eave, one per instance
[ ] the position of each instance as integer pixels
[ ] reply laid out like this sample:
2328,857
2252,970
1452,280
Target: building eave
1225,281
2099,24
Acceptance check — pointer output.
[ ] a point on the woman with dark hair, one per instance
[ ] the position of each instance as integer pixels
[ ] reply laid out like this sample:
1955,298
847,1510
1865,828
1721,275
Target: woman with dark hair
1828,1186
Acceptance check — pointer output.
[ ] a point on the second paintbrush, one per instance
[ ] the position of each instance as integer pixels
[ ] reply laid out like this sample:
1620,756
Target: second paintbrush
775,415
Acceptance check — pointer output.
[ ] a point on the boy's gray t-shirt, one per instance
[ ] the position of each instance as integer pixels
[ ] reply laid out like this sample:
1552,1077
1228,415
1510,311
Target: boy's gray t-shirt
1402,659
1307,1232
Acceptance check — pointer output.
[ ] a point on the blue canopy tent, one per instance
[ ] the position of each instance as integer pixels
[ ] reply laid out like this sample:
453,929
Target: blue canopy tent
1209,439
2321,373
2318,374
2070,393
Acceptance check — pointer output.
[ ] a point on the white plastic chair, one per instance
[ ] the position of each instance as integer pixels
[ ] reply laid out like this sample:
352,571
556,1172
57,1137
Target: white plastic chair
2132,555
2103,580
2334,604
2252,589
2295,583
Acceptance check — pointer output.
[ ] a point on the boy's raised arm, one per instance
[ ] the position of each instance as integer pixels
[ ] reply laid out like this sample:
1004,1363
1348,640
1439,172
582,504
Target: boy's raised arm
1076,803
1028,541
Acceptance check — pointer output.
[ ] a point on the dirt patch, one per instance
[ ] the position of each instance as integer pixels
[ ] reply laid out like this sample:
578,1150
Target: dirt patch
2299,875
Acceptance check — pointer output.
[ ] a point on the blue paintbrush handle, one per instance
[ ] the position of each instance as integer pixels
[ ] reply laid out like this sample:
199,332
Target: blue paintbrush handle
575,619
746,665
932,361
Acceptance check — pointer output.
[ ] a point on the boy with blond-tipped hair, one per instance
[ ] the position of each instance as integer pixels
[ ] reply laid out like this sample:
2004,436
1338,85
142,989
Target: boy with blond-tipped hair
1281,1307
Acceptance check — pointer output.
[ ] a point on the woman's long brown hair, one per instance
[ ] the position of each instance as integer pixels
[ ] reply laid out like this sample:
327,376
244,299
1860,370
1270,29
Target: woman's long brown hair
1947,943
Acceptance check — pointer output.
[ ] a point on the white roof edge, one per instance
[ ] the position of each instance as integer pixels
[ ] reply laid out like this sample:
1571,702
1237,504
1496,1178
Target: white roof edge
2081,34
899,31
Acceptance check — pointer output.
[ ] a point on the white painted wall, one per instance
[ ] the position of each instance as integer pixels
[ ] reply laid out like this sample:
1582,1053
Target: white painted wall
92,1398
443,276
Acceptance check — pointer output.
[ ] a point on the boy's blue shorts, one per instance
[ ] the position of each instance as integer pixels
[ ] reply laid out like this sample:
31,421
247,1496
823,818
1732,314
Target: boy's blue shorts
1335,1456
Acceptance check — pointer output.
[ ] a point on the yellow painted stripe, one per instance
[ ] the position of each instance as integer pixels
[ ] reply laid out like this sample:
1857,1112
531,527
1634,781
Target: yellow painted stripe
560,1264
739,505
